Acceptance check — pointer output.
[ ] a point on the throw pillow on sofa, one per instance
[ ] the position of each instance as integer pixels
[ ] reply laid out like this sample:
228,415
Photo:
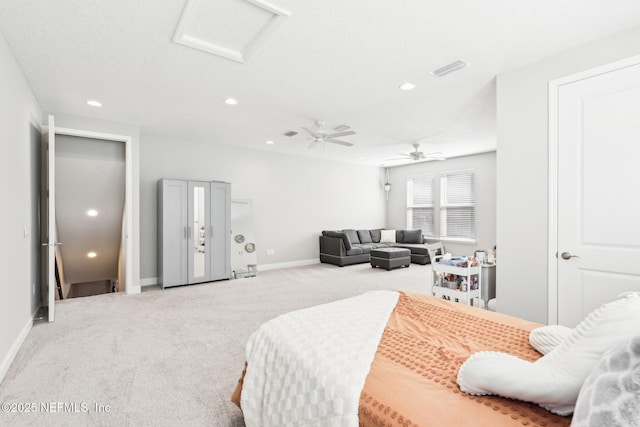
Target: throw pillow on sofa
412,236
352,235
339,235
375,235
364,236
387,236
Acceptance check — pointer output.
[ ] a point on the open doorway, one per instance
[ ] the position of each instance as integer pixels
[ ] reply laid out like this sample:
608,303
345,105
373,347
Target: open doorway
50,241
90,208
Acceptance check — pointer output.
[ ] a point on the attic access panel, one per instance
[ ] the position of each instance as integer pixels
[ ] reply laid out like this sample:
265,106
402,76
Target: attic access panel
232,29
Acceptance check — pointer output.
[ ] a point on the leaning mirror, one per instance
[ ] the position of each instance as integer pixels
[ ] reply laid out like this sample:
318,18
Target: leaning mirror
244,259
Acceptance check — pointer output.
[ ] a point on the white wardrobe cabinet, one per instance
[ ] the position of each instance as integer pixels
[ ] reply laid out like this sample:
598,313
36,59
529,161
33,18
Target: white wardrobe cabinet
194,222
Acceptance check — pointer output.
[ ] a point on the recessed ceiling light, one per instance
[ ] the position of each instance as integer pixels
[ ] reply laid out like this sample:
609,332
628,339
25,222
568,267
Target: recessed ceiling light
269,142
94,103
231,101
92,255
92,212
407,86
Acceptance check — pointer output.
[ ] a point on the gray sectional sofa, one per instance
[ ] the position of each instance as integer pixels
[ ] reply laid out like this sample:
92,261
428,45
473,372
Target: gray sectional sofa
350,246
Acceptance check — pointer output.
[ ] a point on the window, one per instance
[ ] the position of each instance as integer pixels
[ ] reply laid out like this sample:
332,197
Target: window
456,219
457,205
421,204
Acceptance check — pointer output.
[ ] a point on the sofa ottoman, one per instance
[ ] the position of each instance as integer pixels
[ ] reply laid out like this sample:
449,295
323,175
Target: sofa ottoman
390,258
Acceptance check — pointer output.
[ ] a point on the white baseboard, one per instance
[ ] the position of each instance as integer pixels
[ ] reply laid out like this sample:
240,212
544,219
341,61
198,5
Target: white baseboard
149,281
8,359
152,281
278,265
132,290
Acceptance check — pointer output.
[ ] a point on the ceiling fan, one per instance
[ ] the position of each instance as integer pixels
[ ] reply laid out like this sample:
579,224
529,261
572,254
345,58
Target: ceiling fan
419,155
322,135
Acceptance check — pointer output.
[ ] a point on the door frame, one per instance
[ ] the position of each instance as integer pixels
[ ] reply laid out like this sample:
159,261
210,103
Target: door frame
130,287
552,241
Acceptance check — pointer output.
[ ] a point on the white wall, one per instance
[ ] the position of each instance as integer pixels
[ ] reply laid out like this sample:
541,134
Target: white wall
522,161
485,178
20,118
293,198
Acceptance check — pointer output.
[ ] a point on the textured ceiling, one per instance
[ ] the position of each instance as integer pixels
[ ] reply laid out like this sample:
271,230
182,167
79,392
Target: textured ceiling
338,61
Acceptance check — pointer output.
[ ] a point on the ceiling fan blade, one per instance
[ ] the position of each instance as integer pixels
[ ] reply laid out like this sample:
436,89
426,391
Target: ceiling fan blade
337,141
396,159
310,132
345,133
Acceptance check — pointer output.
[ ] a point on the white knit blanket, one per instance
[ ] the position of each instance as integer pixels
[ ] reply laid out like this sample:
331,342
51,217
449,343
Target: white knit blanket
308,367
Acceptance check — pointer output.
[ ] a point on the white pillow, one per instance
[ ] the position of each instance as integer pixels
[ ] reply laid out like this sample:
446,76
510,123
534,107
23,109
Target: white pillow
554,380
610,396
387,236
546,338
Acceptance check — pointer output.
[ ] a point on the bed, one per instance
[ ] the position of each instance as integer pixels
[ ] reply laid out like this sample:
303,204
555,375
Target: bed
409,374
396,359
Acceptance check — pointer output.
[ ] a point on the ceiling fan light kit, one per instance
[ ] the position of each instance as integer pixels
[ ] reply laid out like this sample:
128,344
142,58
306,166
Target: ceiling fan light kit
419,155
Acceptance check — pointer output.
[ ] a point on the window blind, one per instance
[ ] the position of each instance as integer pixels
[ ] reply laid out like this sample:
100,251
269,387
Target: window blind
420,204
457,205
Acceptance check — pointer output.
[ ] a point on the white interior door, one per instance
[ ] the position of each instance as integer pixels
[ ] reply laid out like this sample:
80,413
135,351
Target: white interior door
598,186
52,238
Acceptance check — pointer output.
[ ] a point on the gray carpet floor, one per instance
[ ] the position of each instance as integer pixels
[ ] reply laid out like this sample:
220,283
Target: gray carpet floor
167,358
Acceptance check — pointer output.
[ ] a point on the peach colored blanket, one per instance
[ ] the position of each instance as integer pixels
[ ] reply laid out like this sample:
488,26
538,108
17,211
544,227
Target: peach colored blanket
412,381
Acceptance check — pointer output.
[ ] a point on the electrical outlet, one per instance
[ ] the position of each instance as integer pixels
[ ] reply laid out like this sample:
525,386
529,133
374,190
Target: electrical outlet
271,252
